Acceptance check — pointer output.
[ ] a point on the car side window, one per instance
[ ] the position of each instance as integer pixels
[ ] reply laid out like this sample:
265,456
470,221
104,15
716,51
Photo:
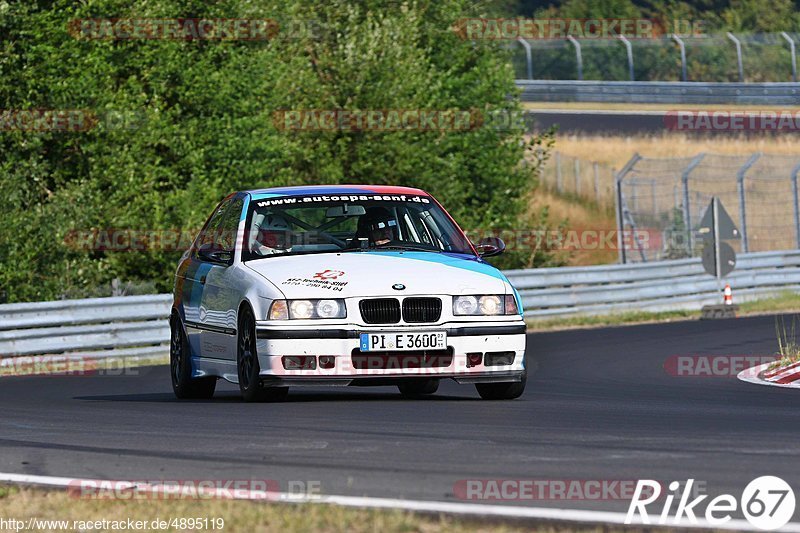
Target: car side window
222,228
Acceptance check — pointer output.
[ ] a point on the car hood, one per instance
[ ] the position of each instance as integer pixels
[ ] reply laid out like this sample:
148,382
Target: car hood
374,273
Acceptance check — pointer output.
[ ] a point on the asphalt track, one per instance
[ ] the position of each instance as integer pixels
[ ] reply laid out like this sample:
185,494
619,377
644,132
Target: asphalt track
599,406
610,122
598,122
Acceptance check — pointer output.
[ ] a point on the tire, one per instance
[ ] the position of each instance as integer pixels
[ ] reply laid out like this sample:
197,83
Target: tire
502,391
414,388
247,364
184,385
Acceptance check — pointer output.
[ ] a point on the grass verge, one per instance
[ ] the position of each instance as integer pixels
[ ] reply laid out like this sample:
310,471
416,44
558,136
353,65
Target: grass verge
248,516
616,319
62,366
788,347
785,303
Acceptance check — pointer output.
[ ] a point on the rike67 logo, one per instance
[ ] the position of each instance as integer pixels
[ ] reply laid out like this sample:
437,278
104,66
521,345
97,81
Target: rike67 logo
767,502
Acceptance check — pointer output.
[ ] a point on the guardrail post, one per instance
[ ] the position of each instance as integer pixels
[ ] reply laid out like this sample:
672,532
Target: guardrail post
620,201
740,174
687,213
559,187
738,44
596,170
577,169
528,56
794,58
683,56
795,170
629,49
578,56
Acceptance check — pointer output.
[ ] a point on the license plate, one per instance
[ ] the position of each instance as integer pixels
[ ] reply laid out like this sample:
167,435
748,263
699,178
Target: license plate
402,342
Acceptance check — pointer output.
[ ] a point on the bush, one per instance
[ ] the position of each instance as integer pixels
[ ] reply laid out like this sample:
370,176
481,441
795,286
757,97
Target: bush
196,123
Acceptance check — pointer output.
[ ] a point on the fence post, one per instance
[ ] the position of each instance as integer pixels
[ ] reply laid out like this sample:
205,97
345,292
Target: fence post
596,182
528,56
613,174
794,58
687,212
738,44
629,48
653,198
742,207
620,200
683,56
795,170
558,172
577,170
578,56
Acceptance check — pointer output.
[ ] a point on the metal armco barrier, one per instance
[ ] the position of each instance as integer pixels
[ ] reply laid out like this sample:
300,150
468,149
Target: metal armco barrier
137,325
659,92
659,286
125,325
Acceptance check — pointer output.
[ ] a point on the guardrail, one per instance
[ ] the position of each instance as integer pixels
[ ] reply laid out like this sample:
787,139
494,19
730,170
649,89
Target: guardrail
660,286
124,325
659,92
137,325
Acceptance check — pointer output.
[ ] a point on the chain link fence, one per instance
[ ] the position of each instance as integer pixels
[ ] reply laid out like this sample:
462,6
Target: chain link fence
667,198
760,57
570,175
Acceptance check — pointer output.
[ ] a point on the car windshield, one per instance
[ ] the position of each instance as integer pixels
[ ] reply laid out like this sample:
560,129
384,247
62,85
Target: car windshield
298,225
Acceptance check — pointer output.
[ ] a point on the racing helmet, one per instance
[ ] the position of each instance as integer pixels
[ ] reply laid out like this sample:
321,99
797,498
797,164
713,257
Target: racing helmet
378,224
274,235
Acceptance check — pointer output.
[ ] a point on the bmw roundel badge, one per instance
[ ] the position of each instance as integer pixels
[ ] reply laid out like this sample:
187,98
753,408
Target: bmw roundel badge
398,286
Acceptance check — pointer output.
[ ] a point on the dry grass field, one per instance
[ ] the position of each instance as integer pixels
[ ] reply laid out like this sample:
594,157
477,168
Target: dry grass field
617,150
768,186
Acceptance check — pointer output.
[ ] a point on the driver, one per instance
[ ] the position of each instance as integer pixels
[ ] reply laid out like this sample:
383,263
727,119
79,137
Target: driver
378,225
274,236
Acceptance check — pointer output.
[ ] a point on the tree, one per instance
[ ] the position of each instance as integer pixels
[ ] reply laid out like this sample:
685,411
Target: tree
193,120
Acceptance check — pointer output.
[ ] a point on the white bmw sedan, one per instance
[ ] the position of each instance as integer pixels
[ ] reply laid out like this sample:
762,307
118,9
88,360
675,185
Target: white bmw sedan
342,285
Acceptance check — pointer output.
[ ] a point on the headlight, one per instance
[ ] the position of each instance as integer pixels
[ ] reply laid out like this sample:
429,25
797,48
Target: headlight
465,305
329,309
307,309
485,305
301,309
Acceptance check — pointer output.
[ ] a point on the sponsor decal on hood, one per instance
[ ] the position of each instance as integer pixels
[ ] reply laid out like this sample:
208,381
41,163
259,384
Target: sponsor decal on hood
374,273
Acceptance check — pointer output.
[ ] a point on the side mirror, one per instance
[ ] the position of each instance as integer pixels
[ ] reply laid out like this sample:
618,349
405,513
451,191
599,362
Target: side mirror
208,253
490,246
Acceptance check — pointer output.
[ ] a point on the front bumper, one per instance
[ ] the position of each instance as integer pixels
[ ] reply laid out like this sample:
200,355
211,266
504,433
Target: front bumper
349,366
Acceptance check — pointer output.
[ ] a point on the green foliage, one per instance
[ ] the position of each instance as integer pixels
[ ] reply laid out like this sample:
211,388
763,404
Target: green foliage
709,58
194,121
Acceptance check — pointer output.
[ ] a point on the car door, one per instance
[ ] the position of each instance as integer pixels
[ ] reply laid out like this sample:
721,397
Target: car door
220,298
192,276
